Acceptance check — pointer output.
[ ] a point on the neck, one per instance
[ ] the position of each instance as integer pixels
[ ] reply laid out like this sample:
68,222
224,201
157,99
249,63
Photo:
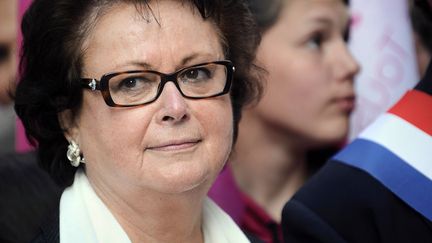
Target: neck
155,217
268,165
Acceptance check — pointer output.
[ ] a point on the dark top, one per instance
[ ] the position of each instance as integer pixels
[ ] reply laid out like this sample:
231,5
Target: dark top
345,204
27,195
49,232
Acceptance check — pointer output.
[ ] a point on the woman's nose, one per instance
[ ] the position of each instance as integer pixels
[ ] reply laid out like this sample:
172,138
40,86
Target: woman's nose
173,106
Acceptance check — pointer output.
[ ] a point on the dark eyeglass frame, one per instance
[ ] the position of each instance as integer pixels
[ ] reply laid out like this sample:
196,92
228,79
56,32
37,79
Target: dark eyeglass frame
103,84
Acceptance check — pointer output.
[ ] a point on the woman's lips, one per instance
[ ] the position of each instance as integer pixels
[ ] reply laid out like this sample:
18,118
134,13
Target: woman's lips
175,145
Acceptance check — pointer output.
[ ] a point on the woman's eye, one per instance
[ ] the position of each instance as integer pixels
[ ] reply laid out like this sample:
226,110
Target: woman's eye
129,83
134,84
197,74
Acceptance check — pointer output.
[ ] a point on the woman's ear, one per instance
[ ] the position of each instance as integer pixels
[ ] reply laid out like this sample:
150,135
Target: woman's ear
69,125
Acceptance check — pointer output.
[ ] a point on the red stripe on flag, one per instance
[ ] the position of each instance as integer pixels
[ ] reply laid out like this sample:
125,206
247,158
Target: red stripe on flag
416,108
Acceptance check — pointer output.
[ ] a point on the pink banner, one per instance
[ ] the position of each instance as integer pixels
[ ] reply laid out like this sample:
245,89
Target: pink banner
381,41
22,144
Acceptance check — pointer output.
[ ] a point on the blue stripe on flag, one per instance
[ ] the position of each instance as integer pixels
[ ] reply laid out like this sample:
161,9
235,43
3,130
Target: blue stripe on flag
399,177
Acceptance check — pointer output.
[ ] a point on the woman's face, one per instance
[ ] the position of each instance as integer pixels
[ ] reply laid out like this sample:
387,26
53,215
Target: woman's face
173,144
309,91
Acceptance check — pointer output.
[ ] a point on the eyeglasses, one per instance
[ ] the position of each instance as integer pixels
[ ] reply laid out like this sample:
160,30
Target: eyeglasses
141,87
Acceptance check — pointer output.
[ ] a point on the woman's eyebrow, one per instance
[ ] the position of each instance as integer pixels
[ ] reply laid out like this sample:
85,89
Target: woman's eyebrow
147,66
141,64
322,20
328,21
189,58
194,56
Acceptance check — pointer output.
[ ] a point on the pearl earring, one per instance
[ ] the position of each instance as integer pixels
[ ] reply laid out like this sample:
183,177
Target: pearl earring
74,154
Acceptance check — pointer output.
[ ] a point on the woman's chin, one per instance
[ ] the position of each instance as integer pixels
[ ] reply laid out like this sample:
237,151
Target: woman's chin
178,183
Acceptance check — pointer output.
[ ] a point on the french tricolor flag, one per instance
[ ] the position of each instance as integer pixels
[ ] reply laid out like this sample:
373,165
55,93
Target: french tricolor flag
396,150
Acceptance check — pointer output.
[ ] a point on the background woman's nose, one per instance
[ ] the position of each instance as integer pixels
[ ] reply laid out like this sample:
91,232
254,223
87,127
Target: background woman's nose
173,106
346,66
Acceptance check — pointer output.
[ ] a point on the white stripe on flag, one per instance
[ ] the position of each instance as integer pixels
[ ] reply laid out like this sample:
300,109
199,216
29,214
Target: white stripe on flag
403,139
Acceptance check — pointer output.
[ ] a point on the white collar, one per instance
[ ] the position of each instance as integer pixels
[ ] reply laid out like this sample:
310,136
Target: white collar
85,218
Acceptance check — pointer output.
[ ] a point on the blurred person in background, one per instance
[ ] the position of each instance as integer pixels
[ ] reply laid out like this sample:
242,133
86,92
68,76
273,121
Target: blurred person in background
305,107
24,186
422,36
8,69
378,188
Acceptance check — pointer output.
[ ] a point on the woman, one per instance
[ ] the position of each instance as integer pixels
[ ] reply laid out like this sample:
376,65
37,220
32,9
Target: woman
306,105
370,198
130,105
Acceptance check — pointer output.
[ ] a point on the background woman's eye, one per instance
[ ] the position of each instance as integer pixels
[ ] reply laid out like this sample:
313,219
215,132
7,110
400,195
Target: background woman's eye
346,34
316,40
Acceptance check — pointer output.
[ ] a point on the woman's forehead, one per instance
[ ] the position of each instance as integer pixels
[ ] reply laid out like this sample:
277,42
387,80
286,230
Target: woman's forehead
122,37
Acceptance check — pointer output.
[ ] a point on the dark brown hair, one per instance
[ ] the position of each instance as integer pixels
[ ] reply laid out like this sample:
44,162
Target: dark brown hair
421,19
266,12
